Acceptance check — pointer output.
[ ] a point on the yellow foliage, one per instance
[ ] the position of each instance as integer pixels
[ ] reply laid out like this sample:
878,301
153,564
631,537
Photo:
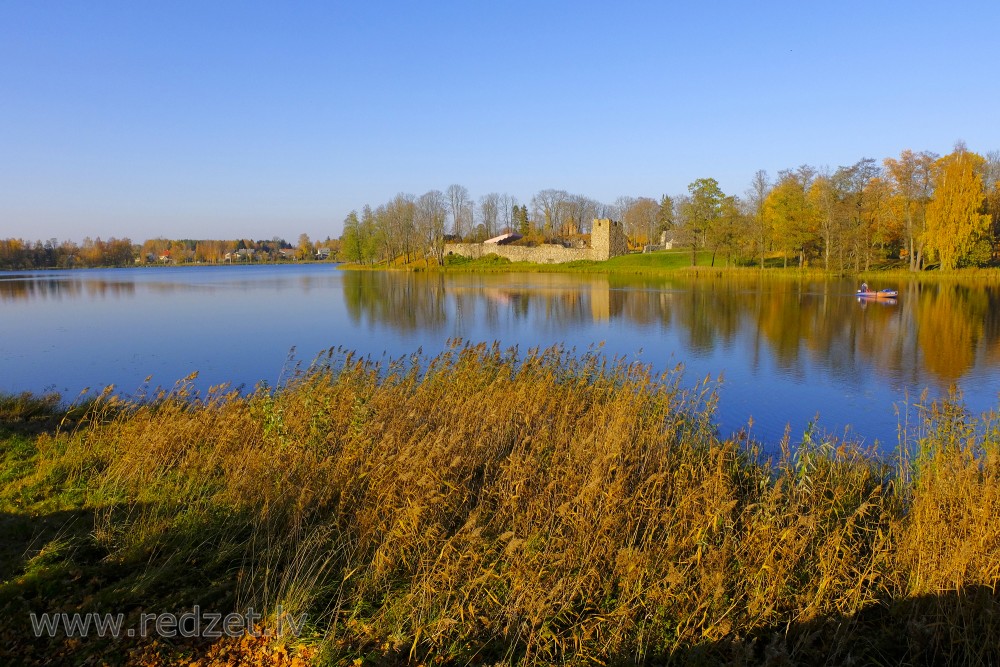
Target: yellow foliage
955,216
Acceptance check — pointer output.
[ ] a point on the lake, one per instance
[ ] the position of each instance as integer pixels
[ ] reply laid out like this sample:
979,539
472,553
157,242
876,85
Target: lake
787,350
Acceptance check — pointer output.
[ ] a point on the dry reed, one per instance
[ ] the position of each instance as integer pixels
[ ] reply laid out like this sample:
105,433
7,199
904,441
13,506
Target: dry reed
550,507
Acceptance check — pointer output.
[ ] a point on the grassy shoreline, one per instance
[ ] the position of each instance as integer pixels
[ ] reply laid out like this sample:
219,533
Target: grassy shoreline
678,264
488,507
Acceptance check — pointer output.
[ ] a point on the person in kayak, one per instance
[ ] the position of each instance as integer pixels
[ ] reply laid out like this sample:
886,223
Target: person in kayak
864,287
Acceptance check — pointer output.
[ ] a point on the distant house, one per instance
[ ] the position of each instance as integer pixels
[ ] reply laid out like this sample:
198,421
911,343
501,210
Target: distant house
165,257
241,255
288,253
323,253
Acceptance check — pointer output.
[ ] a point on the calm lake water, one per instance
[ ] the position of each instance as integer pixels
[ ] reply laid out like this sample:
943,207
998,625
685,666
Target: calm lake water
786,350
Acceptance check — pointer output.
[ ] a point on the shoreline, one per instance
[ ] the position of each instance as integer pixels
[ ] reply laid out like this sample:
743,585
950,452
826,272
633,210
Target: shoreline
678,265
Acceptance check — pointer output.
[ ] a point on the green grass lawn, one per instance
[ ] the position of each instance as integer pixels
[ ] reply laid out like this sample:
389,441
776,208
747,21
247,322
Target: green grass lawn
665,260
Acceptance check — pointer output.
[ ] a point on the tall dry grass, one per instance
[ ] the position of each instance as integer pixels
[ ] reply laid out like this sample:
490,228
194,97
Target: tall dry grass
487,505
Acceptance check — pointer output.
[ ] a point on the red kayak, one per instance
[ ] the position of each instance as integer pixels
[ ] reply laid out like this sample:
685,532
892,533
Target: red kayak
881,294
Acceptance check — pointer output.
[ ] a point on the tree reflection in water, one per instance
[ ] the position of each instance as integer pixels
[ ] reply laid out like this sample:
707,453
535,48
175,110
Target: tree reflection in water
938,331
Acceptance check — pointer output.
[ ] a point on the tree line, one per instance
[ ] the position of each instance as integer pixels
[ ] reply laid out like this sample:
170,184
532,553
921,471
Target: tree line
55,254
919,207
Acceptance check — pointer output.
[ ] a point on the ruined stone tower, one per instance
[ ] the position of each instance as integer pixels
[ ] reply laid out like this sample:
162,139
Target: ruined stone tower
607,239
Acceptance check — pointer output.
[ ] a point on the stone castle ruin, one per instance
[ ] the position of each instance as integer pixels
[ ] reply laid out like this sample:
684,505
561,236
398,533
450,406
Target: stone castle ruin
607,240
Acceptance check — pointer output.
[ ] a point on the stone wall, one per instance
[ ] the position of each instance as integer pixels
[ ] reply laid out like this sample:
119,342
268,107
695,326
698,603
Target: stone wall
607,239
543,254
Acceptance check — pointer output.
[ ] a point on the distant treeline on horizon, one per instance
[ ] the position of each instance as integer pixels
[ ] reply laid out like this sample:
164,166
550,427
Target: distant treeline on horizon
54,254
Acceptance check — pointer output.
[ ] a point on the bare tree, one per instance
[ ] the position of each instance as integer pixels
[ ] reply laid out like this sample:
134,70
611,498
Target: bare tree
548,207
602,210
489,212
458,204
395,221
477,231
639,218
760,188
506,206
618,209
991,169
991,181
580,212
682,229
431,213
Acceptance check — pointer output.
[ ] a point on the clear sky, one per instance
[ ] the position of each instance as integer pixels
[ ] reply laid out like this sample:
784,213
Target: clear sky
261,119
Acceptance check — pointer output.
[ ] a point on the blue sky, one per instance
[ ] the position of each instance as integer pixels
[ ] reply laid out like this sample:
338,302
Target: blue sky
252,119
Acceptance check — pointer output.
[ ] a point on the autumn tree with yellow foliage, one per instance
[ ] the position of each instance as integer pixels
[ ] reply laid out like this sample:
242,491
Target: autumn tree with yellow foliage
790,214
958,228
911,177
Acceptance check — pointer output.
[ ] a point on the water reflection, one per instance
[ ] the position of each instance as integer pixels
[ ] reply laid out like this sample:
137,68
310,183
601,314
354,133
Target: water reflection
787,348
401,301
939,331
127,283
15,288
